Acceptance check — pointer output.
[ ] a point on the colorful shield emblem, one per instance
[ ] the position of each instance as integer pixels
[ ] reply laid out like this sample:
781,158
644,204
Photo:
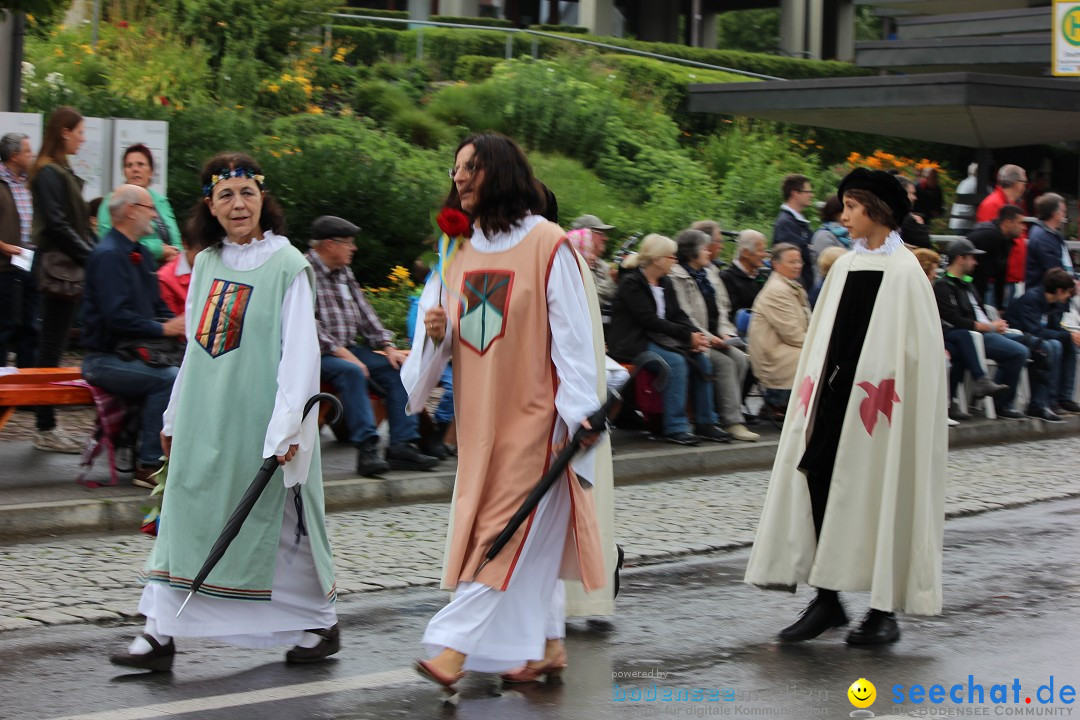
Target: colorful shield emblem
487,302
222,321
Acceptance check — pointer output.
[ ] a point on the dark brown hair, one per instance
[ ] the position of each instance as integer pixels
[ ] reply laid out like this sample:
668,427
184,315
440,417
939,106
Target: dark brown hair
833,209
875,207
793,183
52,144
509,191
204,229
1058,279
1009,212
139,148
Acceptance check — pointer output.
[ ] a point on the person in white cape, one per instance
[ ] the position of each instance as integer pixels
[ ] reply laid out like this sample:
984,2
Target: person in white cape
857,493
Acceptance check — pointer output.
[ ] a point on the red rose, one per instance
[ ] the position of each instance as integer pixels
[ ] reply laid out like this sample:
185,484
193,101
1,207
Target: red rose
122,24
453,222
135,257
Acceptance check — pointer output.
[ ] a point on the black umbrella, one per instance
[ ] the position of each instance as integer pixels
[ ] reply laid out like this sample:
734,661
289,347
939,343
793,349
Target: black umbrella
243,509
599,422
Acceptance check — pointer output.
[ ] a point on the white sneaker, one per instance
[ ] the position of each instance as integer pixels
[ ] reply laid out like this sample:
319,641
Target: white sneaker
56,440
738,431
952,423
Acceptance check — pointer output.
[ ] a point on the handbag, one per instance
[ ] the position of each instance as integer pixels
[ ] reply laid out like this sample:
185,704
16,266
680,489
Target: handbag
61,277
154,351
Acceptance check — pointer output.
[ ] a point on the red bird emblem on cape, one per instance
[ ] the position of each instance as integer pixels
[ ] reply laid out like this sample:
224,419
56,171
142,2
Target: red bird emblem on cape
806,391
879,398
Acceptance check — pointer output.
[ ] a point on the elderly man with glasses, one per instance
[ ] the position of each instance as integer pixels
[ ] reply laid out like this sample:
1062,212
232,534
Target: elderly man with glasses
343,314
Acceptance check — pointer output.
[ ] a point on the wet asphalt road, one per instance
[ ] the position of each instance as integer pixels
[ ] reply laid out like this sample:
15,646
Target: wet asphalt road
1012,611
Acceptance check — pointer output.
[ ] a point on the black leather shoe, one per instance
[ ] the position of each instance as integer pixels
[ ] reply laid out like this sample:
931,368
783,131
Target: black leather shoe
1068,407
159,659
877,628
955,413
1009,414
985,387
330,644
711,432
683,438
823,613
368,461
1044,414
406,456
433,447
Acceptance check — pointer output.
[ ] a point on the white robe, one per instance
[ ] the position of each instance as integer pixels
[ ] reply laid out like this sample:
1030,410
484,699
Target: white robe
884,521
298,602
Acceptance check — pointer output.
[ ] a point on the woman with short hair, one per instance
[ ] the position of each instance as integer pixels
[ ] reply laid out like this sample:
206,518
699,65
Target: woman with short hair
138,167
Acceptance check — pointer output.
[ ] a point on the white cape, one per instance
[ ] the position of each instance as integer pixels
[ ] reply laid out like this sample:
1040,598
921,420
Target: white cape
884,520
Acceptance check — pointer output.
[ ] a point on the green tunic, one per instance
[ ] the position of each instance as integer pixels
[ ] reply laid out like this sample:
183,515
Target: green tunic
224,406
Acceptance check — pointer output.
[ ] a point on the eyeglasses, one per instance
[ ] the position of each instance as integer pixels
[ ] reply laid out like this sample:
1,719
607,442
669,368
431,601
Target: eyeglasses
469,168
344,241
671,257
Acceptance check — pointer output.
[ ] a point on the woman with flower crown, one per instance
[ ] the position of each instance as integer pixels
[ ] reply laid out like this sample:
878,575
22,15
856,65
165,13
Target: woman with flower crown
514,308
252,362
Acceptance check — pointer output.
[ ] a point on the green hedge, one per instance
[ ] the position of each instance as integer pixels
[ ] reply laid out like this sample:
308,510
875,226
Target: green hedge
486,22
443,46
475,68
761,63
395,14
349,10
574,29
372,43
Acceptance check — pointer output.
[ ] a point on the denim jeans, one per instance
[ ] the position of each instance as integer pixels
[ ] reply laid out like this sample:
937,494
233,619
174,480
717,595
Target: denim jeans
964,357
1062,356
19,300
1010,355
700,383
444,413
352,387
135,379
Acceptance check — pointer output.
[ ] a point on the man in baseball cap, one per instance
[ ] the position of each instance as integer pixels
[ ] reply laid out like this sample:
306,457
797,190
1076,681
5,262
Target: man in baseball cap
603,274
591,222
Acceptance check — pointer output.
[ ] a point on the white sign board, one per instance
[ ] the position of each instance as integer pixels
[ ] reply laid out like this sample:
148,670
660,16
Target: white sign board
154,134
1066,38
92,162
29,124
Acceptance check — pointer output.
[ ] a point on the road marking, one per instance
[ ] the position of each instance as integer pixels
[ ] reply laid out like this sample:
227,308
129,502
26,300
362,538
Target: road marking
252,697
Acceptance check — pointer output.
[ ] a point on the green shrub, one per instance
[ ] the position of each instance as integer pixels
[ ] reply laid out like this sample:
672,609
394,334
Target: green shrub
380,100
373,12
371,44
474,68
486,22
665,82
575,29
357,22
443,46
418,128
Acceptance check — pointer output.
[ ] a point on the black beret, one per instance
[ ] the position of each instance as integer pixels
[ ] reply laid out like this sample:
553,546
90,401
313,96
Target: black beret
883,186
328,226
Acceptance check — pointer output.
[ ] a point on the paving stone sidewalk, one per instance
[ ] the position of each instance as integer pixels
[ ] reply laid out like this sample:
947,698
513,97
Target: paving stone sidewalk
81,579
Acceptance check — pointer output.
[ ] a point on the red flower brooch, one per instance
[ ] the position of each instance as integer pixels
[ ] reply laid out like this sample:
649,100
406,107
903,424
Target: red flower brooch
135,257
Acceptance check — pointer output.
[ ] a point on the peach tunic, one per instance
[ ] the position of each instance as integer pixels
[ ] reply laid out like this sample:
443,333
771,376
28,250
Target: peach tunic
504,390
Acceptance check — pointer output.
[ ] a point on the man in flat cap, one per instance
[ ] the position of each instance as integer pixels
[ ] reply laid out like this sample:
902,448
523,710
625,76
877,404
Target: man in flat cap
603,273
343,314
856,501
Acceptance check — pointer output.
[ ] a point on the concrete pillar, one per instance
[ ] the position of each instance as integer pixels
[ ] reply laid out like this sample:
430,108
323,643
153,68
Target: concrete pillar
597,15
708,30
815,27
793,27
419,10
694,21
845,30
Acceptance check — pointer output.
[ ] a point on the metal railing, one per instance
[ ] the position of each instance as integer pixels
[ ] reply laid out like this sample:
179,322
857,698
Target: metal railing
535,48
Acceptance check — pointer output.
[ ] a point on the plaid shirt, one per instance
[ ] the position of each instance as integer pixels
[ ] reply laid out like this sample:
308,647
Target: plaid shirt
20,190
342,311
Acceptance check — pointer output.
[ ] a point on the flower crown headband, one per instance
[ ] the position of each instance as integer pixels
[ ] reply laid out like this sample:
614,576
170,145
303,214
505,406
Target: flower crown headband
226,173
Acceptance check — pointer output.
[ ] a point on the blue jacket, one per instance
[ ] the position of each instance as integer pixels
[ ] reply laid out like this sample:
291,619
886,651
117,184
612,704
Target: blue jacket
789,229
1026,313
1045,247
122,297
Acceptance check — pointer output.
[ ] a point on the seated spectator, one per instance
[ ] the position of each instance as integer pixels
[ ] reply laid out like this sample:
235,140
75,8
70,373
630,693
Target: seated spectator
1046,240
1038,312
343,313
121,307
930,261
961,311
595,230
913,230
646,315
175,276
824,263
745,278
703,298
996,239
831,234
778,328
715,233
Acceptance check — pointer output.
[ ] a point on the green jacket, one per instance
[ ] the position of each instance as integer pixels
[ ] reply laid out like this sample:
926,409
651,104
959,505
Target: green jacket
153,242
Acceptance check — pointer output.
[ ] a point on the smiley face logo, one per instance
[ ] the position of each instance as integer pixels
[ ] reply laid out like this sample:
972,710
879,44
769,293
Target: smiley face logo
862,693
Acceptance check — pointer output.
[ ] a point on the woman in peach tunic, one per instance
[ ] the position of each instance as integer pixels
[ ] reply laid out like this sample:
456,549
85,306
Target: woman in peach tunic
517,324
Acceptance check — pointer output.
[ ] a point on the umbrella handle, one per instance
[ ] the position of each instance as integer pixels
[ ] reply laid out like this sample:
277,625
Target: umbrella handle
339,412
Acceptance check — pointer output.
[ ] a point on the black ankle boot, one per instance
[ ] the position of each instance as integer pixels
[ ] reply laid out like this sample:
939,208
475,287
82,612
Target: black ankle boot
877,628
824,612
369,463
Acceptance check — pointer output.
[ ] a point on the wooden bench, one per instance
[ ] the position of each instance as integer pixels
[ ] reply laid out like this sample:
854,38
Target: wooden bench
28,387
